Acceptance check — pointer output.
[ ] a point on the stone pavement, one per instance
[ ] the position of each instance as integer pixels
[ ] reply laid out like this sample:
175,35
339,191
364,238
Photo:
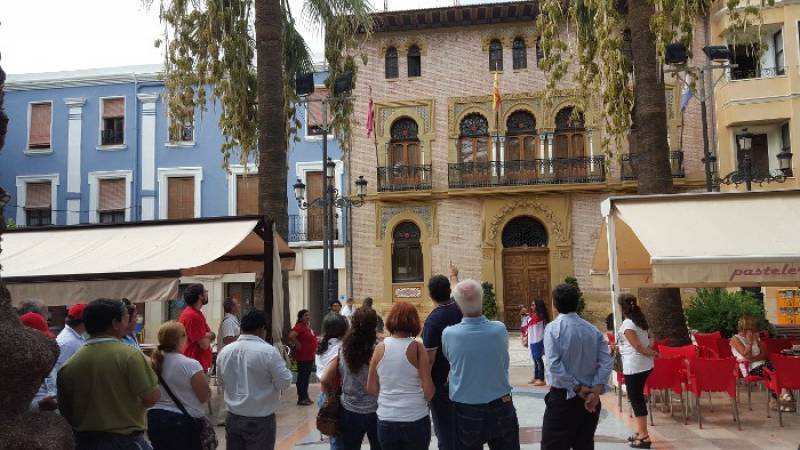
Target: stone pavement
296,424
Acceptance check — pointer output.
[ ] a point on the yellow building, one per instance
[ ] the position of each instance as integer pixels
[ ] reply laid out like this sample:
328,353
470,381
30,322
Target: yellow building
511,196
759,97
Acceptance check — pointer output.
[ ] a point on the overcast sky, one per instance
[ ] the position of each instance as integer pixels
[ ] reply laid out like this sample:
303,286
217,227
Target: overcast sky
56,35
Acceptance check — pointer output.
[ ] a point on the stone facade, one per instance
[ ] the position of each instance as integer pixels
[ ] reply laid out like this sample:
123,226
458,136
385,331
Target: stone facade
465,225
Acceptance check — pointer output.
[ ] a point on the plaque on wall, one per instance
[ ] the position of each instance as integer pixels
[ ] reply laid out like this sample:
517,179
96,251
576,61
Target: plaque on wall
408,292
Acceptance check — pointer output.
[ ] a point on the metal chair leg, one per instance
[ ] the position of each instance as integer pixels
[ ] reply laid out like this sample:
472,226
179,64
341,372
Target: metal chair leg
699,414
619,399
650,409
709,401
749,391
768,399
683,409
669,400
736,414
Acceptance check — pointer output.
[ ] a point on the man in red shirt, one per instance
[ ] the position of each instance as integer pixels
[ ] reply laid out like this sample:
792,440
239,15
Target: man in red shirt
198,334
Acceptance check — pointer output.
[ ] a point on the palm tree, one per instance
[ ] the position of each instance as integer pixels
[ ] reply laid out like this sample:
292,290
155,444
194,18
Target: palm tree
212,43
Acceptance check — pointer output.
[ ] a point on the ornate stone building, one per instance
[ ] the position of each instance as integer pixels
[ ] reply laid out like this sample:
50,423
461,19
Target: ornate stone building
509,196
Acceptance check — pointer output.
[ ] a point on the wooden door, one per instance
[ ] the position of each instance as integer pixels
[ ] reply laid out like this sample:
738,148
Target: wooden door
314,217
405,158
759,156
180,197
526,277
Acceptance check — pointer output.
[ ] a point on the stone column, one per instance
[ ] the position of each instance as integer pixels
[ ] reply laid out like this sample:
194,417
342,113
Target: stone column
147,138
75,106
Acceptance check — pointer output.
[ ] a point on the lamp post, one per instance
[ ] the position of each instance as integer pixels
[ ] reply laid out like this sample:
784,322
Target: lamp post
304,85
676,55
744,173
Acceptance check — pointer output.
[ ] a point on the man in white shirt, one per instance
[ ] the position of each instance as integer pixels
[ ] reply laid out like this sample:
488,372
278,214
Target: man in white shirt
252,374
349,308
71,338
229,327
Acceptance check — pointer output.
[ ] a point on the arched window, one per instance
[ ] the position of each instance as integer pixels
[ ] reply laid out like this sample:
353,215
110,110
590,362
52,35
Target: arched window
473,139
569,143
414,62
524,231
391,63
519,53
521,139
495,55
407,264
404,146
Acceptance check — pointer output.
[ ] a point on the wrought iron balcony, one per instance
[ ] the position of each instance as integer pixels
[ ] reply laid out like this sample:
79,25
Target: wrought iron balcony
528,172
305,228
757,72
404,178
112,137
628,165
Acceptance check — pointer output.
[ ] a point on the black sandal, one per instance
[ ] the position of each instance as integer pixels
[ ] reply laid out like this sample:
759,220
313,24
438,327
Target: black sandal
641,442
633,437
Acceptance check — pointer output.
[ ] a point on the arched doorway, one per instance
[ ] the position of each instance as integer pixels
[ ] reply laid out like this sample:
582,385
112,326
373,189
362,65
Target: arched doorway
526,268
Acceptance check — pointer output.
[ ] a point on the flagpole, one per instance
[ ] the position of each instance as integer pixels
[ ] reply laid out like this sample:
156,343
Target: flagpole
372,130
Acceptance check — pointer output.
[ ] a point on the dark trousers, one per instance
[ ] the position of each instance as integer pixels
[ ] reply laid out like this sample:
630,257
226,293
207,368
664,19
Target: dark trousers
168,430
97,440
405,435
538,368
304,369
567,424
634,385
493,423
442,415
353,426
250,433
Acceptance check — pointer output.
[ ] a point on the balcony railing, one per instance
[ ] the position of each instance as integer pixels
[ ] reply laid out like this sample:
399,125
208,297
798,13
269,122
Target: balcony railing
629,160
305,228
758,72
112,137
404,178
529,172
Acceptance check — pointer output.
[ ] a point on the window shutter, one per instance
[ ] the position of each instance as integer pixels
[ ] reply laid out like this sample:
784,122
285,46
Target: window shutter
40,125
113,108
38,195
180,198
314,120
246,195
112,195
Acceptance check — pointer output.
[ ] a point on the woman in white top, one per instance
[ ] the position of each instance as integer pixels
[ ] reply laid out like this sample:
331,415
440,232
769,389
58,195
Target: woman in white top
167,427
637,363
400,375
334,327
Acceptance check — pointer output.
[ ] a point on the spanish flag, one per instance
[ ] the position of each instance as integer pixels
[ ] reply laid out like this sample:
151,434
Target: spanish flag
496,99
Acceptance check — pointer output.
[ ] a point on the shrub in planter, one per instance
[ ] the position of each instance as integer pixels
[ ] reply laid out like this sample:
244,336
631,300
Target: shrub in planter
719,310
489,300
581,302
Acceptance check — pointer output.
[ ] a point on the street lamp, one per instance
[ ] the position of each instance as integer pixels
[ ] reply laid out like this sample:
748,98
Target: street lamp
304,86
744,173
677,55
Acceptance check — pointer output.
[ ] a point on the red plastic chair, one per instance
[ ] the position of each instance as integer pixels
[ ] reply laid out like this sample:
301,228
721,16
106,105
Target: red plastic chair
707,352
724,348
666,376
714,375
749,381
785,376
776,345
658,342
707,339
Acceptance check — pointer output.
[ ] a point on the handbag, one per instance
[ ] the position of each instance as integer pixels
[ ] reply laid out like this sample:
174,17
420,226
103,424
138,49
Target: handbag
204,437
328,415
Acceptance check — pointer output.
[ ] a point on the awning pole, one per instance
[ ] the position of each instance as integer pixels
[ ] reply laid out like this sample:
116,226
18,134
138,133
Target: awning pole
613,272
269,249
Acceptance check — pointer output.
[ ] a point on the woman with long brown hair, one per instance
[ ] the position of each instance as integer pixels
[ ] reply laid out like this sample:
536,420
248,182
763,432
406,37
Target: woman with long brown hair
183,378
637,363
357,413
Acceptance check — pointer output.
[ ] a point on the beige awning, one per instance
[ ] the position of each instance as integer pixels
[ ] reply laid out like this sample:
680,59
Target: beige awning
702,240
140,261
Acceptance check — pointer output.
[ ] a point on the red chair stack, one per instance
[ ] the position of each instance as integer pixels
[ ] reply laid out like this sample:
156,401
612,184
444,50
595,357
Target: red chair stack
714,375
666,376
785,376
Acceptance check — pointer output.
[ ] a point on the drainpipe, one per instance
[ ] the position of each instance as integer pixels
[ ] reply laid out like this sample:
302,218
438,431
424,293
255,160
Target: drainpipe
136,200
710,96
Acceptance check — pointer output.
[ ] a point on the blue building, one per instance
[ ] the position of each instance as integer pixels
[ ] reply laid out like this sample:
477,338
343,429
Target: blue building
94,146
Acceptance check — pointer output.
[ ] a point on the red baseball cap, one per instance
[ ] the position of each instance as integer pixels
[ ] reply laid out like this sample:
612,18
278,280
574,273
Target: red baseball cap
37,322
76,311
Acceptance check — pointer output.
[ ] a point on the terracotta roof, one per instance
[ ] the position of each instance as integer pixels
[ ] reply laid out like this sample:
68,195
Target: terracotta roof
453,16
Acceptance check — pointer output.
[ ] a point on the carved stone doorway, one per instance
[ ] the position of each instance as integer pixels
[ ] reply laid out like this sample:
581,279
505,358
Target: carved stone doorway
526,268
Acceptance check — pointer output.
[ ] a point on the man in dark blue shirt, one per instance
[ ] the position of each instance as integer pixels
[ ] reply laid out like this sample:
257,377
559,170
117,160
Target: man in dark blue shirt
444,315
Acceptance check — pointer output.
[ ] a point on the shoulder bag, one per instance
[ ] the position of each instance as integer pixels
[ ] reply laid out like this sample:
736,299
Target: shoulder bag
204,437
328,415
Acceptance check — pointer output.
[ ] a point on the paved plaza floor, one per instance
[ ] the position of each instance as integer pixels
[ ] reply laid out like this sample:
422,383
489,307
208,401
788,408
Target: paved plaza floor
296,424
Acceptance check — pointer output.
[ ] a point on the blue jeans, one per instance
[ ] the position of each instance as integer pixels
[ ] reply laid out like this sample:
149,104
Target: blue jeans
537,354
494,423
405,435
442,415
91,440
168,430
352,428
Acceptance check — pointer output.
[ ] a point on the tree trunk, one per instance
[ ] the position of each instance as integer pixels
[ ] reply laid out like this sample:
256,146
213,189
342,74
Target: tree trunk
272,164
662,307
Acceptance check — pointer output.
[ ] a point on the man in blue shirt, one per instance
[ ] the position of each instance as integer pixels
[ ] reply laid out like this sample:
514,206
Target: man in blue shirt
477,350
444,315
578,365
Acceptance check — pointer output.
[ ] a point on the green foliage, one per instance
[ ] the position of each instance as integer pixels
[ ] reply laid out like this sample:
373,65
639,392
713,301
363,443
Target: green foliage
581,302
489,300
719,310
